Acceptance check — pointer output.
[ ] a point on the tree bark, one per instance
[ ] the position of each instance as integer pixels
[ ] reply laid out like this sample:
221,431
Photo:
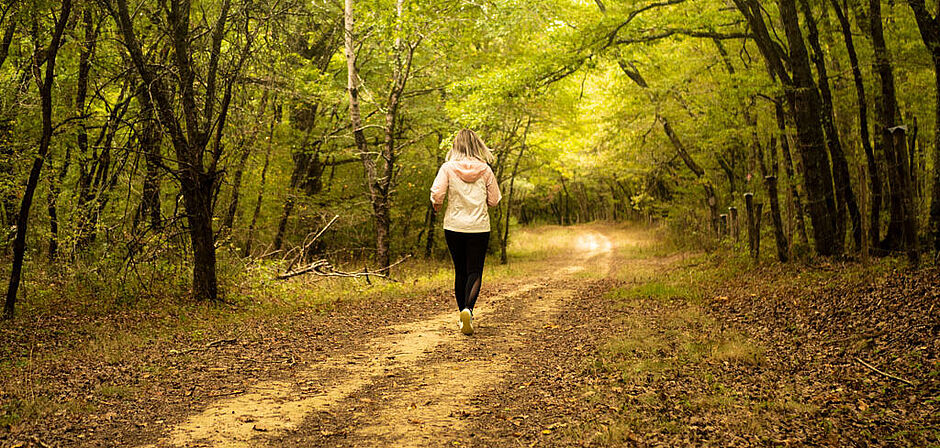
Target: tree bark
229,222
432,214
7,39
806,105
788,167
929,26
845,196
770,183
874,227
753,241
934,225
45,94
886,119
909,230
301,159
150,139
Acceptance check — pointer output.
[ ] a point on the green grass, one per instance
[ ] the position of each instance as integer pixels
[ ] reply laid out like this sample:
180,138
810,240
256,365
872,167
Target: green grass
14,410
657,290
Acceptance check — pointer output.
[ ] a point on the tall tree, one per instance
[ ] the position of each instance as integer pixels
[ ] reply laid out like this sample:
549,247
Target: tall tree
929,26
45,82
845,195
902,223
195,131
380,167
804,103
874,175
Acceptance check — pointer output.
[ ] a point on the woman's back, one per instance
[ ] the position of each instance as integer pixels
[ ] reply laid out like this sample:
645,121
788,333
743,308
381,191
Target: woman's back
470,187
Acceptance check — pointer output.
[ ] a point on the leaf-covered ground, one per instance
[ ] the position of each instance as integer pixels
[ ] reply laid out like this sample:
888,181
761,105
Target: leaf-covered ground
725,354
598,336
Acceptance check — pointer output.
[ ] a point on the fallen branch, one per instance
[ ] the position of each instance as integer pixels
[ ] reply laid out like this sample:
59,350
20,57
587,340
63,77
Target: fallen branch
886,375
221,341
307,245
323,268
226,394
312,267
208,346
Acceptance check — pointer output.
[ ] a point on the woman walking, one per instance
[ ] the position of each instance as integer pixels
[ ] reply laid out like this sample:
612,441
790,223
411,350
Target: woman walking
470,186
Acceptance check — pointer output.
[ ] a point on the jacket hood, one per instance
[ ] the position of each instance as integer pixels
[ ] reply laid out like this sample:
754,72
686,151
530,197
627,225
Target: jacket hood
469,170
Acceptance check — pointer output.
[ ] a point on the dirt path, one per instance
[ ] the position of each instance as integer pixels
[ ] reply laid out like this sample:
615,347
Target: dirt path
412,385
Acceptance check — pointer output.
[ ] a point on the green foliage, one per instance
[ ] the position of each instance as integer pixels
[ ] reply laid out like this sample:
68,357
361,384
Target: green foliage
540,78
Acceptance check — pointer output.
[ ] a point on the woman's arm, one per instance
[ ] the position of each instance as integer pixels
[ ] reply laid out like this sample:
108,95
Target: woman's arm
492,188
439,189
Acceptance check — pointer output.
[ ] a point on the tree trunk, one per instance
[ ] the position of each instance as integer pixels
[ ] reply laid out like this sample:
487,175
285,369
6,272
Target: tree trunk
288,207
567,201
432,214
729,173
929,26
504,241
886,119
431,225
791,175
935,193
770,183
874,228
22,219
753,243
805,105
911,243
55,185
249,240
150,139
197,198
229,222
845,196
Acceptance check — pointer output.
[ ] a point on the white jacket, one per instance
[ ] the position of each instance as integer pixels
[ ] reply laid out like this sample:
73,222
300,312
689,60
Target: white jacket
470,187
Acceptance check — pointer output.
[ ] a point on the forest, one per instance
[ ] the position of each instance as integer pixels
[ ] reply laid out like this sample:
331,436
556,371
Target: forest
201,173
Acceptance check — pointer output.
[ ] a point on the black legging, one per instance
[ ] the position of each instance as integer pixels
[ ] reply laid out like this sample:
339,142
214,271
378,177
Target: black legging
468,251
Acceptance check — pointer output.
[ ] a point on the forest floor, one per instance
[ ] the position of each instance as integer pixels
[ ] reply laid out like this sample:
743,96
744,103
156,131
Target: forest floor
592,335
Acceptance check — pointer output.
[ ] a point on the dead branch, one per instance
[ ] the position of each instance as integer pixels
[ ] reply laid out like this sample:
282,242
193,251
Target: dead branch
886,375
307,245
207,346
323,268
226,394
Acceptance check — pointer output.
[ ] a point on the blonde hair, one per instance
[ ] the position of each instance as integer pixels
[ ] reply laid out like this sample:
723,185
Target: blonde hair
467,144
